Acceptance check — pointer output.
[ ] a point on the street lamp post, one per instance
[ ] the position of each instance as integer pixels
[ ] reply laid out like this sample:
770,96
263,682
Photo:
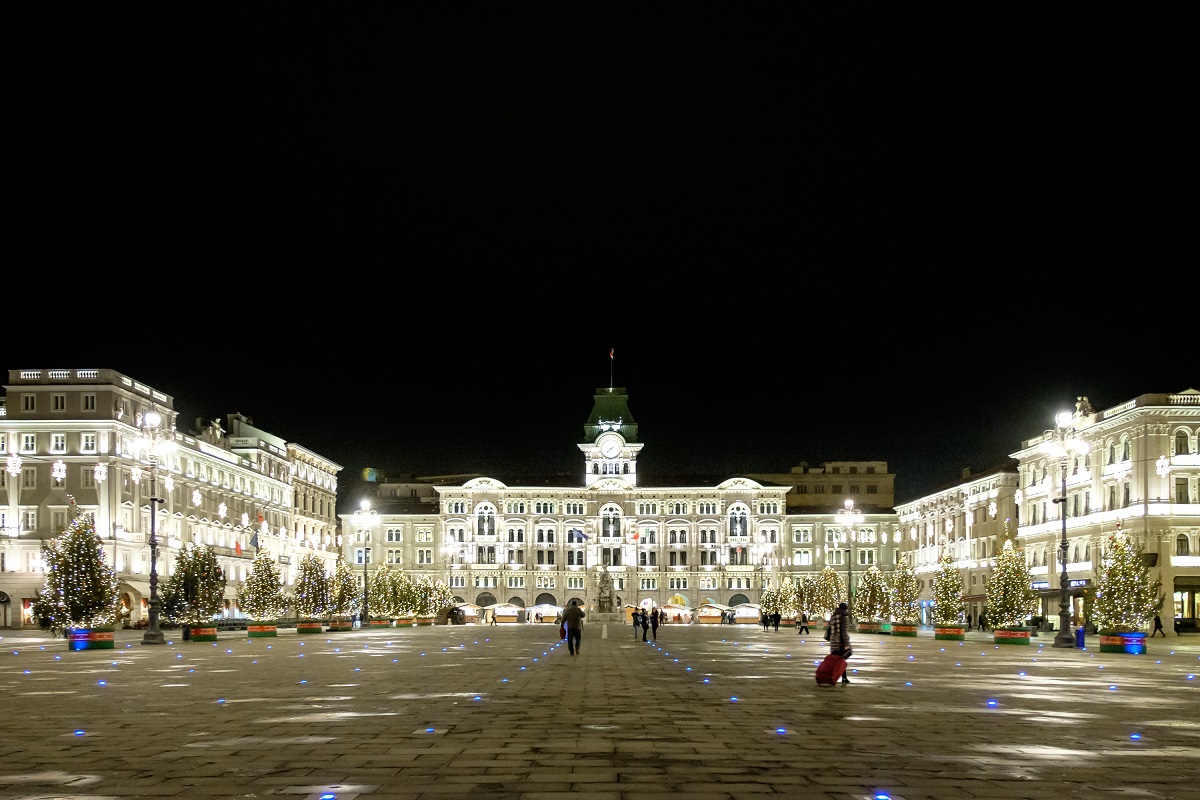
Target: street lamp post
153,446
849,517
364,523
1062,443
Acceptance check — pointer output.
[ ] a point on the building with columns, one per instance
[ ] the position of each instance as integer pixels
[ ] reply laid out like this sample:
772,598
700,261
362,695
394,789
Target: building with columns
1133,468
612,537
75,440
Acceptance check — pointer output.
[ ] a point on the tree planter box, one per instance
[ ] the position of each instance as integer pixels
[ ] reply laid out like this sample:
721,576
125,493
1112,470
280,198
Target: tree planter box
336,625
404,622
1132,642
381,623
309,626
1014,635
872,626
954,633
261,629
423,620
90,638
904,629
204,633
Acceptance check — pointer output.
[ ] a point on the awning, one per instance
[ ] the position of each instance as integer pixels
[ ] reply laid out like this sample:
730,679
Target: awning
140,587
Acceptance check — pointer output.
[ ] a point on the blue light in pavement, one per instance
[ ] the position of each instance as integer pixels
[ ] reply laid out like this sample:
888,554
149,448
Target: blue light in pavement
1135,736
992,703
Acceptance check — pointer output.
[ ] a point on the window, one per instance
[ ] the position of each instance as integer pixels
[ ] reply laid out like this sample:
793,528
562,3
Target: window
708,558
872,489
835,558
28,402
648,558
677,583
1181,490
575,582
58,402
1181,545
424,555
545,556
679,559
802,558
516,582
803,536
609,556
575,558
649,583
866,558
394,535
29,478
28,442
87,443
425,536
87,478
1181,443
88,401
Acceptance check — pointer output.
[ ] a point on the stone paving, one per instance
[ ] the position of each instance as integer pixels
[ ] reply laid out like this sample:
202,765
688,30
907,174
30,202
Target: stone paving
506,713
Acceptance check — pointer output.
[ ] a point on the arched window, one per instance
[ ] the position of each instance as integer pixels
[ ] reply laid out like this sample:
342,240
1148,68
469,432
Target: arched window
1181,545
1181,443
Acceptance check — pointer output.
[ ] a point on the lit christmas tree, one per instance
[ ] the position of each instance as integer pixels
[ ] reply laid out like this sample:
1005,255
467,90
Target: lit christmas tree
261,597
311,594
804,590
828,591
196,589
343,590
771,600
1011,599
874,599
384,593
947,591
80,589
431,596
905,591
1126,598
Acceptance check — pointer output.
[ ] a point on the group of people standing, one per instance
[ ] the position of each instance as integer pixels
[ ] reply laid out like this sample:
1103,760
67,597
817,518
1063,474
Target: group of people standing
647,623
981,622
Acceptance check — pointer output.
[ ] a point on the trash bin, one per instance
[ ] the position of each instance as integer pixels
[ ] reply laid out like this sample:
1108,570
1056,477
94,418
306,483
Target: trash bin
1079,633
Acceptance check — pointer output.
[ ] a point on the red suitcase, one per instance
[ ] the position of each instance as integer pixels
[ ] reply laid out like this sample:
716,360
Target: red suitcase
831,669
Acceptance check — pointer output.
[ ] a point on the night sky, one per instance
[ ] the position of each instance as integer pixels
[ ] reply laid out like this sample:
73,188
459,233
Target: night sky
407,238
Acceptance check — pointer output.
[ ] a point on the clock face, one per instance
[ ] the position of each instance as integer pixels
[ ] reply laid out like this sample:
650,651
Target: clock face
609,448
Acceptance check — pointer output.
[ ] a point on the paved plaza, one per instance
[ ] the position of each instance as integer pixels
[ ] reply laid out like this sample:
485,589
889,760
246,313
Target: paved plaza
504,712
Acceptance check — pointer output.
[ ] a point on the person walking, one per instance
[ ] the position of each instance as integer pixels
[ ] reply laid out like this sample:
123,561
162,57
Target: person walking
803,626
839,634
573,617
968,620
655,620
775,620
636,619
1158,627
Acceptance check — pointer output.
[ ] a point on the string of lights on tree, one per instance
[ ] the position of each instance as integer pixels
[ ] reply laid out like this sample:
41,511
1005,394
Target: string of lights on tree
1126,598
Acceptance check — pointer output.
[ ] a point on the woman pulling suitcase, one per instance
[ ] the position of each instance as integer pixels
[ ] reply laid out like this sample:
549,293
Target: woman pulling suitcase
833,666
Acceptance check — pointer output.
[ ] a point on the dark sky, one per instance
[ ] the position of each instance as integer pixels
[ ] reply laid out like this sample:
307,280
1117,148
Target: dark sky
407,238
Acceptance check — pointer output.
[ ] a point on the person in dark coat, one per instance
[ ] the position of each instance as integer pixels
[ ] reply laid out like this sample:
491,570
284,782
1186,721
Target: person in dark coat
645,624
839,633
655,619
803,626
775,620
1158,627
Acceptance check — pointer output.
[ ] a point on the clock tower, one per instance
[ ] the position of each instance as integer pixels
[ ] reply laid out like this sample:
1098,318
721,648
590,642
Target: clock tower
610,447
